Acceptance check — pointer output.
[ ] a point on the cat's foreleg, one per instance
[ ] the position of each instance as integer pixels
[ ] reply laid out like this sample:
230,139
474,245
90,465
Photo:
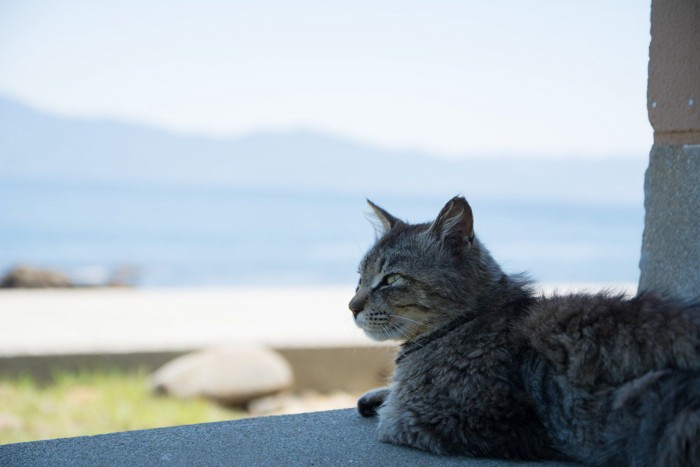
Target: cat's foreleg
369,402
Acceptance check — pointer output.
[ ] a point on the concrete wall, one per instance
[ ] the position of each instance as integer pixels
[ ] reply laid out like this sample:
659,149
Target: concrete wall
670,260
351,369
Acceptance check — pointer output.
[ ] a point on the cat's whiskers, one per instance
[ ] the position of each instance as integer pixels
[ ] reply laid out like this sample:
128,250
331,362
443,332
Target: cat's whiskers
384,332
399,330
405,319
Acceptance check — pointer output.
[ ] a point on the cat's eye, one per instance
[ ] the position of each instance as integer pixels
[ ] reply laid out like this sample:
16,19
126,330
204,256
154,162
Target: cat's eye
390,279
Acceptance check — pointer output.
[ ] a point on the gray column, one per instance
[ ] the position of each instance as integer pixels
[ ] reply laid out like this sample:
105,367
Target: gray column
670,260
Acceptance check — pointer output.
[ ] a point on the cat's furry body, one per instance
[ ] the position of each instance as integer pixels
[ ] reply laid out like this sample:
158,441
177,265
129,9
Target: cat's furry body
488,369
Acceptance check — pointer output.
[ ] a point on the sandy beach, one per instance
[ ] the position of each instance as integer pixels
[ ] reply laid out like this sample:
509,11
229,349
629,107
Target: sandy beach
125,320
45,322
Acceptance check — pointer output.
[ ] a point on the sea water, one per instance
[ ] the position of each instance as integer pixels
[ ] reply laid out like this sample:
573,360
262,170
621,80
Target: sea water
206,236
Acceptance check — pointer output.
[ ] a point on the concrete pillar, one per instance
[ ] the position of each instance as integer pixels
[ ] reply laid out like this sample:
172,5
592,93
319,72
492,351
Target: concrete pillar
670,260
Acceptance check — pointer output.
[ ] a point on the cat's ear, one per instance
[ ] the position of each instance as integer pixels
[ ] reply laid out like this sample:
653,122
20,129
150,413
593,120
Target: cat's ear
386,220
454,226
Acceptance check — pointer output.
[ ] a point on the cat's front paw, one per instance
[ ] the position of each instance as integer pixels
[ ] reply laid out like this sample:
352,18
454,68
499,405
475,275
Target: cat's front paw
369,402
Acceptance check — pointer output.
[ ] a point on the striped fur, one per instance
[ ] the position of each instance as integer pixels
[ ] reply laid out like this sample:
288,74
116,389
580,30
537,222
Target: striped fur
488,369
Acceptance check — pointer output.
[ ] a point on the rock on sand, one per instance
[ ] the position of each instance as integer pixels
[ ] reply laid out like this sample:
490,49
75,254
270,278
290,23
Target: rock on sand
231,376
28,277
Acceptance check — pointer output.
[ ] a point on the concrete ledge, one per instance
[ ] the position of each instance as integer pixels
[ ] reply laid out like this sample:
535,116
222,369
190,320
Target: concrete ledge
338,437
350,369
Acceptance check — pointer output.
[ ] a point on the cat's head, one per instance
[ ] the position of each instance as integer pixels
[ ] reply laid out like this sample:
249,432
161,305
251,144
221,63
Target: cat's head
417,277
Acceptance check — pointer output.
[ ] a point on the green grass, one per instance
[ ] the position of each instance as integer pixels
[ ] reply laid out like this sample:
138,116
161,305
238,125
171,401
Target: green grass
91,403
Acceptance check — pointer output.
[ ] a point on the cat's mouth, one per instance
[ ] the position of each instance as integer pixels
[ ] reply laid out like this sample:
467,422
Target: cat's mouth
383,326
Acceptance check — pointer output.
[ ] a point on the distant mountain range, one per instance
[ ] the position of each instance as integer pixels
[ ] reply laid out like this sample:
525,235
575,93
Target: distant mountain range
36,146
87,195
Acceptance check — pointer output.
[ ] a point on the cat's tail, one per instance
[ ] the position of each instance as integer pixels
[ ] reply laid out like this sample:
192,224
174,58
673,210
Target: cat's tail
661,415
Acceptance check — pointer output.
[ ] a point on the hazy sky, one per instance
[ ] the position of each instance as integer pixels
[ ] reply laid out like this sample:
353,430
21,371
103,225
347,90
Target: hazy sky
451,77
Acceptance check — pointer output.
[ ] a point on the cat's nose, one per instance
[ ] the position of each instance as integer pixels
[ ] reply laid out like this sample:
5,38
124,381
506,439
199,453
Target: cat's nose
356,305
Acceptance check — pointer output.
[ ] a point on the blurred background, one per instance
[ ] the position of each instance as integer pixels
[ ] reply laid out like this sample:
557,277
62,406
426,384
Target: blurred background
219,143
215,157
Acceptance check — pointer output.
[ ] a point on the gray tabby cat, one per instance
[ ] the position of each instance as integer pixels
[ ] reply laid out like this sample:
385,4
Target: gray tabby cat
488,369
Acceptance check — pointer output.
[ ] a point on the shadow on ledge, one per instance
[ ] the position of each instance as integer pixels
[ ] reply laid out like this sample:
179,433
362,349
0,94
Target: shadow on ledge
338,437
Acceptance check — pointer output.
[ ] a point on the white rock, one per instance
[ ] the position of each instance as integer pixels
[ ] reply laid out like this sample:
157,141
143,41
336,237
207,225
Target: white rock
232,376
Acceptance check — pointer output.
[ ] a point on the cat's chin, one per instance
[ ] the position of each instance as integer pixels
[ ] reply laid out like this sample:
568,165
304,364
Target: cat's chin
384,335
